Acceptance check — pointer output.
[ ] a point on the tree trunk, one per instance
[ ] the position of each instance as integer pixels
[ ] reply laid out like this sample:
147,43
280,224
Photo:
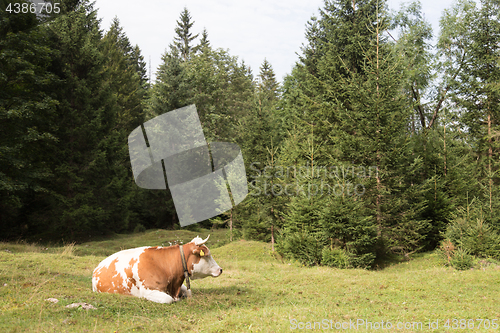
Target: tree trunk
490,155
231,225
272,237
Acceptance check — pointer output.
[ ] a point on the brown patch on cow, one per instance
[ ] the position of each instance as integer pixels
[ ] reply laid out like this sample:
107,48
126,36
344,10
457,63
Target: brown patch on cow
130,275
160,268
110,281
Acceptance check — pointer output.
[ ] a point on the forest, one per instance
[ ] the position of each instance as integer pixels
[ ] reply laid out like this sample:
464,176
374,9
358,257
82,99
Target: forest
379,142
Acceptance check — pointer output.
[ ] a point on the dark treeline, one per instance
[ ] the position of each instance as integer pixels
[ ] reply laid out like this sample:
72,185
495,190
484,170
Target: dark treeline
377,143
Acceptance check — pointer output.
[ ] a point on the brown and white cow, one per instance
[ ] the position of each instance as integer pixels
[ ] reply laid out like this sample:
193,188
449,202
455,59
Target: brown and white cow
155,273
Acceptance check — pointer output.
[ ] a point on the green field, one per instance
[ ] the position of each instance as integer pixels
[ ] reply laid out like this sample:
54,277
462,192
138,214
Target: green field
257,292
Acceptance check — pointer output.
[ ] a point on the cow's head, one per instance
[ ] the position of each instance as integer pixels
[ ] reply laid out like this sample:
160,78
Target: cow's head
203,265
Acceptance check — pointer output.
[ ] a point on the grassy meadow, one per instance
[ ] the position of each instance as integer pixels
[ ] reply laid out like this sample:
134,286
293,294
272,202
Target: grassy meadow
258,292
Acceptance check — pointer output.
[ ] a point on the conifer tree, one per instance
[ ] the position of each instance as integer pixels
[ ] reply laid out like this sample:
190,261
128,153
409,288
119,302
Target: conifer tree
87,191
314,97
27,114
259,124
346,98
213,80
472,35
260,143
125,77
204,42
137,59
184,36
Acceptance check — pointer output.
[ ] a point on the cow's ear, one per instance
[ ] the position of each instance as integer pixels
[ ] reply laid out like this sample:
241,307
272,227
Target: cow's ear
199,252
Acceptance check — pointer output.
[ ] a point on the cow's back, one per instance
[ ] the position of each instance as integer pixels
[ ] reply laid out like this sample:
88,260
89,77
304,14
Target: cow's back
118,273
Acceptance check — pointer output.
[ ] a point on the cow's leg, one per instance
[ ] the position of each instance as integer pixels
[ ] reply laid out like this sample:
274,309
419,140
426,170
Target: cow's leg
156,296
184,292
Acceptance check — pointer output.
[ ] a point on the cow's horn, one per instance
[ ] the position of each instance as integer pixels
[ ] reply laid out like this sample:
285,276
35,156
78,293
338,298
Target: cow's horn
200,243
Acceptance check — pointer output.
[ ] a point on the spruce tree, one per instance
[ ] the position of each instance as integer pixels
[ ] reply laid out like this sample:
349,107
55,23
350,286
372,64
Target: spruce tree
347,110
473,34
214,81
204,42
27,118
87,191
184,36
137,60
260,143
125,77
314,96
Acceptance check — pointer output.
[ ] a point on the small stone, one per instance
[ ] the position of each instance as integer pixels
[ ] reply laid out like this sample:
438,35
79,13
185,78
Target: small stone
52,300
85,306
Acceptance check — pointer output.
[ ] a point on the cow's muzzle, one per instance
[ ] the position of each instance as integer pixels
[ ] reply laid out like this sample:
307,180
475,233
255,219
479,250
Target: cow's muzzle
219,272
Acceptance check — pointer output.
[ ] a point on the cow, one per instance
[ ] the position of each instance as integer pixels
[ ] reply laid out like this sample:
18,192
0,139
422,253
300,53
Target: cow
155,273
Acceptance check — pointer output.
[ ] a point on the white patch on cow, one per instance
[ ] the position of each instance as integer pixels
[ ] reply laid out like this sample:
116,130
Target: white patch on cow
95,281
123,259
206,267
156,296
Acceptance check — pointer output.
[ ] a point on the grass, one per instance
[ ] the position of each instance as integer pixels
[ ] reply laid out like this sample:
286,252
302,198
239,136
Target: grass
257,292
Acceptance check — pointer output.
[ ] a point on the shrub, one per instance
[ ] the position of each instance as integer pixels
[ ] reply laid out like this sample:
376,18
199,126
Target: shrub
469,231
139,228
335,257
461,259
302,247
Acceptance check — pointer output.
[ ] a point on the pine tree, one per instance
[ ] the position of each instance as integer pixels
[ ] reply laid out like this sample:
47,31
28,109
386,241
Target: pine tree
204,42
315,96
184,36
268,86
140,66
345,97
258,125
87,191
222,91
473,34
125,77
27,110
214,81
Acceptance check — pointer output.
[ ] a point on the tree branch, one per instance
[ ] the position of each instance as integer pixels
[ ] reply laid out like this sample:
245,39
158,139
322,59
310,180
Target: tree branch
419,107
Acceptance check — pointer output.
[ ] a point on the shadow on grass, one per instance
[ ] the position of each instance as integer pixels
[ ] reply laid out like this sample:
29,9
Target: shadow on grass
230,290
389,260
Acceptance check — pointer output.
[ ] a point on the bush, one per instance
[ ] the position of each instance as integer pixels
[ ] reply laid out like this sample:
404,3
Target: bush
236,235
365,260
456,257
461,259
335,257
302,247
469,231
139,228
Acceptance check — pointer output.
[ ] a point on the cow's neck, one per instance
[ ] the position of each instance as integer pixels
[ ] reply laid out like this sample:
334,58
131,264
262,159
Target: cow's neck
185,267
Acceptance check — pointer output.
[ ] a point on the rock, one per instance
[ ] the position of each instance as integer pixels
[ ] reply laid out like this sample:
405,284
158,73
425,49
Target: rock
52,300
85,306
